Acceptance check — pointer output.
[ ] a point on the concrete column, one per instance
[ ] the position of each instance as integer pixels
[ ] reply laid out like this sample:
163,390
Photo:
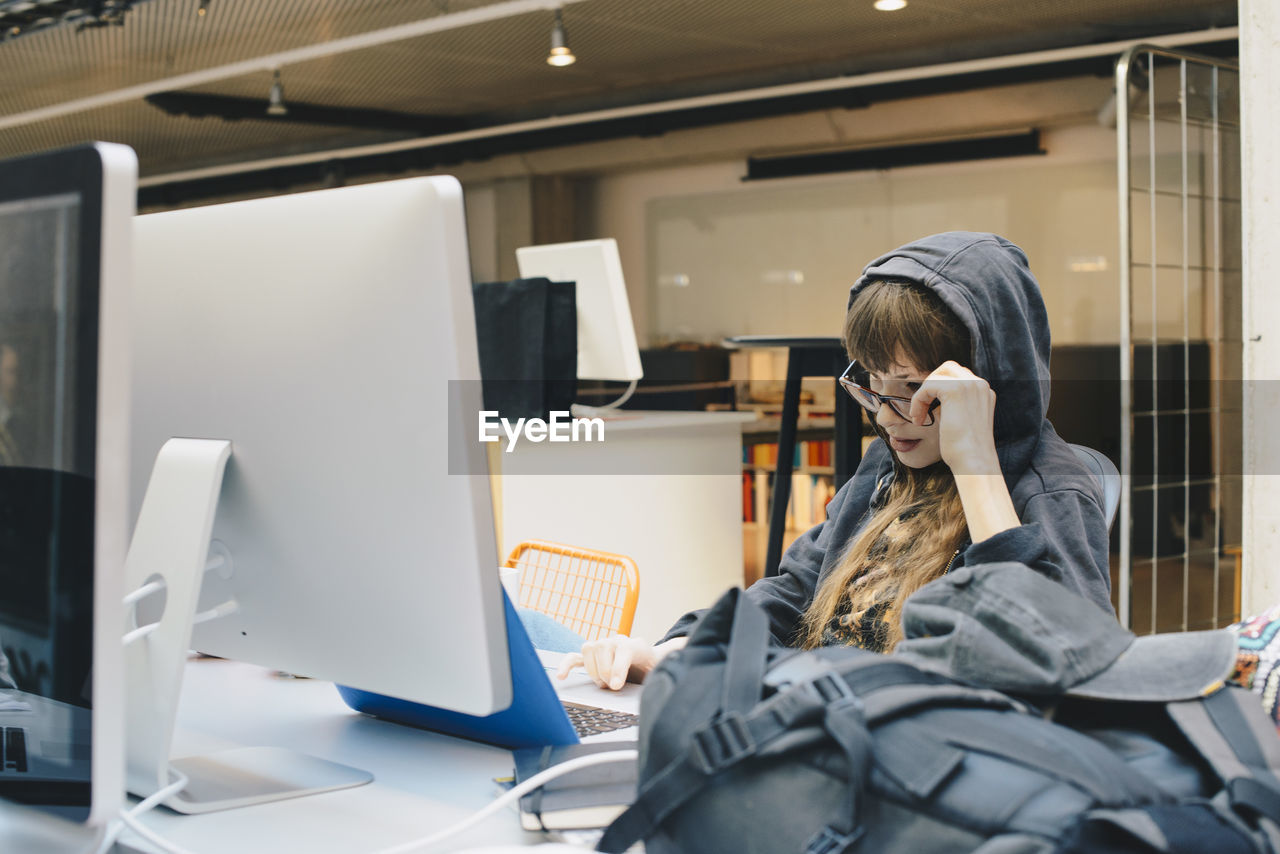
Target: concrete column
1260,167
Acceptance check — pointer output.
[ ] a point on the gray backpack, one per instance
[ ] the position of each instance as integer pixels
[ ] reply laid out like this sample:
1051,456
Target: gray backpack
748,747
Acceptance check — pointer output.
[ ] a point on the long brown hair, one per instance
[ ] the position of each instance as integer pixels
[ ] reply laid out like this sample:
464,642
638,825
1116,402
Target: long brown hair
913,537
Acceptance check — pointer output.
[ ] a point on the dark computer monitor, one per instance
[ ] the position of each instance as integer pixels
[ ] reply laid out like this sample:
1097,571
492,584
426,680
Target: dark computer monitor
65,243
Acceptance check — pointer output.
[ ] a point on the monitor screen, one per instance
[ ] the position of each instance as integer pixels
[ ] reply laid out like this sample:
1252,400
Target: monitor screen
40,405
57,271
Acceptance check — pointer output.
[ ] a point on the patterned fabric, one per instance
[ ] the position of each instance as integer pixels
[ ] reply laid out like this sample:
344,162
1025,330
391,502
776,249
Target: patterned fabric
1258,653
869,631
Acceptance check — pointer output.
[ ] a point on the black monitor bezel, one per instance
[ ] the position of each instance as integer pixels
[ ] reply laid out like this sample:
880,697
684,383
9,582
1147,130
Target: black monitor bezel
75,171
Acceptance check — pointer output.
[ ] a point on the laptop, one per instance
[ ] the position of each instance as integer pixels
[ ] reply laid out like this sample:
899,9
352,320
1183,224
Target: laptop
538,715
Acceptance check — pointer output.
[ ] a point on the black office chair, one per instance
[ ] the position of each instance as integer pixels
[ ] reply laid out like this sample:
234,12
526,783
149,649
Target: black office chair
1107,475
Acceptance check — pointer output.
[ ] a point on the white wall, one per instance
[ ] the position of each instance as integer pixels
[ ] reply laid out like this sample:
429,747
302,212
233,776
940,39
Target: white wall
629,174
707,255
622,212
1260,127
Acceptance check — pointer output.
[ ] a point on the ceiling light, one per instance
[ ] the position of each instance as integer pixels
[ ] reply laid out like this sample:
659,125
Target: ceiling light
203,8
560,54
275,99
890,5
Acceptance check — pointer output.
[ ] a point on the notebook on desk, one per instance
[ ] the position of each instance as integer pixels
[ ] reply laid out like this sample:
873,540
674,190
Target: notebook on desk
537,716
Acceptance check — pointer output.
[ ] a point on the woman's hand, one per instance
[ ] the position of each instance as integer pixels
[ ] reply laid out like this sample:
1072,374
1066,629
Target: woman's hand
966,418
612,662
967,442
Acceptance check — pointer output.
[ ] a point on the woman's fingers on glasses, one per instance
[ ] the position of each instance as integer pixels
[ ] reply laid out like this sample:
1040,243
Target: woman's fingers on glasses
934,389
922,403
949,380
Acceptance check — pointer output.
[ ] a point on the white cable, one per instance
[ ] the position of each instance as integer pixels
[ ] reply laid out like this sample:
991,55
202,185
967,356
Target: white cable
536,781
228,607
143,592
159,797
215,562
140,633
581,410
216,612
133,599
113,832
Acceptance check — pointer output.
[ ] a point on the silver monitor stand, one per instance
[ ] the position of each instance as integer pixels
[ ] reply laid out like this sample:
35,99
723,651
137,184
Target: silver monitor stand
171,547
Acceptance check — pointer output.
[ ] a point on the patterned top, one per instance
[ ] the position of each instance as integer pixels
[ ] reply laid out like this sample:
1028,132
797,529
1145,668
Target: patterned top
868,630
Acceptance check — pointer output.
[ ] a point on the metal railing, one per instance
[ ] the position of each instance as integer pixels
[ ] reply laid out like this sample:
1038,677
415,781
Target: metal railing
1177,122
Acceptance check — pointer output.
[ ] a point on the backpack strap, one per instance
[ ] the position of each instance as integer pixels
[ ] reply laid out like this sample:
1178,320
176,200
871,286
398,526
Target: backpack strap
740,728
912,757
887,686
1018,741
845,723
1229,730
745,660
1251,736
717,745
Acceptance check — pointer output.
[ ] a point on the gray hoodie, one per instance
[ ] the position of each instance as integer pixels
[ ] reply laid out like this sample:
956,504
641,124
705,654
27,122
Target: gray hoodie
985,280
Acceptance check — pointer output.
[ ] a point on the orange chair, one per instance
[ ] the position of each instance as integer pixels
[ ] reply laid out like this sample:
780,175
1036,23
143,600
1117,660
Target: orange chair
590,591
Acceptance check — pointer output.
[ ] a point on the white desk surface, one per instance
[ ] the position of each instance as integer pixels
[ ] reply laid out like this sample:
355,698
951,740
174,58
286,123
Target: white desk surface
424,782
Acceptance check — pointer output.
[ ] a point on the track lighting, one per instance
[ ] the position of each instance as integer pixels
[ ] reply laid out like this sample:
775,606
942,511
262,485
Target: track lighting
275,99
24,17
560,54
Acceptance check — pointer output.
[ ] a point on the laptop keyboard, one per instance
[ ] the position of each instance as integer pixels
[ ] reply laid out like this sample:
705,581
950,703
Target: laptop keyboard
14,745
593,720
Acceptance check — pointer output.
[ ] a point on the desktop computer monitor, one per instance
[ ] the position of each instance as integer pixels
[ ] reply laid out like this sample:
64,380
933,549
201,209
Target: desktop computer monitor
330,337
65,220
606,337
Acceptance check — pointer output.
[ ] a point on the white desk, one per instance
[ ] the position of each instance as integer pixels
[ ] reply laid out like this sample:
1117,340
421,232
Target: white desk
664,488
424,782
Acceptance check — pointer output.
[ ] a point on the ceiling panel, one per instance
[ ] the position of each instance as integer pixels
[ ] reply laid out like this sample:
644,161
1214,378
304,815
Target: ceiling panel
629,51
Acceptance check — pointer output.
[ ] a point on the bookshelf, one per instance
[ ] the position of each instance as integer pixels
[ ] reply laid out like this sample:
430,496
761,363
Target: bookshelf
809,400
812,486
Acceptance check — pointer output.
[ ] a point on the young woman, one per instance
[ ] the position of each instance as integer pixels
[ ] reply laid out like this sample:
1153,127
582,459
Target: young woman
950,346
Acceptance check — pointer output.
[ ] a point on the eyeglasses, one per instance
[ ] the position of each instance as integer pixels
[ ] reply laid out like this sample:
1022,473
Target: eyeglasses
870,401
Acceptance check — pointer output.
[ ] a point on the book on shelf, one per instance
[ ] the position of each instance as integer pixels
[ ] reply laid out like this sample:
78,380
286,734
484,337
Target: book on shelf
810,494
585,798
812,453
800,513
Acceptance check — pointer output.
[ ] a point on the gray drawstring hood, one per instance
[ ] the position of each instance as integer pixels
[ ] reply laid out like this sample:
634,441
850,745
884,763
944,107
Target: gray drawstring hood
987,282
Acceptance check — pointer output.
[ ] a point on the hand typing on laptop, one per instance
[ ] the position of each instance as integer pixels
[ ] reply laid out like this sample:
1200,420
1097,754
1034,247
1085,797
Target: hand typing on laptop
615,661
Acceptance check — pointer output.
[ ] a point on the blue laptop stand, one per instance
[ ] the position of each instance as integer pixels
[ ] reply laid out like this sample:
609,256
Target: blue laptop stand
535,717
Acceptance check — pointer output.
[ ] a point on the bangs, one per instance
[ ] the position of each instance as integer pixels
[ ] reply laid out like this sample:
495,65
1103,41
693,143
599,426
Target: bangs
892,319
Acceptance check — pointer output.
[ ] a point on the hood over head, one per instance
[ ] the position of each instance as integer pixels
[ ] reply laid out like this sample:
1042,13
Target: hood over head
987,282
